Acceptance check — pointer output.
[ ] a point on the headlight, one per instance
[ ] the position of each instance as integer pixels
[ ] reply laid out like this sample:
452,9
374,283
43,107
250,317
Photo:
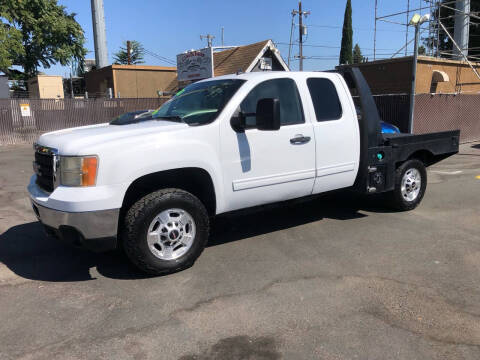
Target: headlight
78,170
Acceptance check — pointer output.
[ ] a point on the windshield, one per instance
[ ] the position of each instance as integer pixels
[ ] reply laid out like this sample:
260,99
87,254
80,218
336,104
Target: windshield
197,104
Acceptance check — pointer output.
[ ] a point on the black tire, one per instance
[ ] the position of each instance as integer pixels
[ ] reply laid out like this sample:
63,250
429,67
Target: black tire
143,212
396,199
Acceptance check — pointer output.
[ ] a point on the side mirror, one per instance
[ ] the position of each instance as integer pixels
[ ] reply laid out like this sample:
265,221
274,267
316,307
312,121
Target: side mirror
268,114
238,122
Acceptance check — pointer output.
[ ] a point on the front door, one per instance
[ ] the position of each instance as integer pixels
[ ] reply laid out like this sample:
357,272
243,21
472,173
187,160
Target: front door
268,166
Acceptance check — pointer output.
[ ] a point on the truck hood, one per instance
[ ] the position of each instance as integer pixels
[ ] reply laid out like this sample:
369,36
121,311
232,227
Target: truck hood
75,140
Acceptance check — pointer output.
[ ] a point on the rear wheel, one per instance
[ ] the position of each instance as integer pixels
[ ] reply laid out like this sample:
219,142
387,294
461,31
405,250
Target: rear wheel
165,231
410,185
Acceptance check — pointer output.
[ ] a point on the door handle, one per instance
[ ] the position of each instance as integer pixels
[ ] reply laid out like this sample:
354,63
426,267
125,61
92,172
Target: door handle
299,139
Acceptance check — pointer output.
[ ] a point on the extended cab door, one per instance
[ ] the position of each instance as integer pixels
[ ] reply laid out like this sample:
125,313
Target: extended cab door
336,132
260,167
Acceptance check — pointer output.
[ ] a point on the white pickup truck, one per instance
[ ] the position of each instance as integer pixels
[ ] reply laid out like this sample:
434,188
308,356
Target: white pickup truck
150,183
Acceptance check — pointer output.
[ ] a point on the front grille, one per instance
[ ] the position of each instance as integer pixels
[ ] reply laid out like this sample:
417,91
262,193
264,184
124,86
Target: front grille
44,168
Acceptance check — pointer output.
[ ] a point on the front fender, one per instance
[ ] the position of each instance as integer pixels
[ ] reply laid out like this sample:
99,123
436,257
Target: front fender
196,147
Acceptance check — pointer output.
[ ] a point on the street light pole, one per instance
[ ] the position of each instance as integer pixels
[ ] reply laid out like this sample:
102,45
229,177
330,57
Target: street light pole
414,78
417,21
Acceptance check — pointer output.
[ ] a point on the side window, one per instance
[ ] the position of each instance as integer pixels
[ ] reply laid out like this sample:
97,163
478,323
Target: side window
283,89
325,99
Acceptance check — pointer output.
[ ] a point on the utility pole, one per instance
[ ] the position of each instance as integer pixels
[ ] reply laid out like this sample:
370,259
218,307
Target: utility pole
414,78
302,30
209,39
223,30
99,34
129,52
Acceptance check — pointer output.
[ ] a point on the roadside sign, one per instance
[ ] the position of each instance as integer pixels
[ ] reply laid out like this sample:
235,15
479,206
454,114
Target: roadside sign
25,109
195,64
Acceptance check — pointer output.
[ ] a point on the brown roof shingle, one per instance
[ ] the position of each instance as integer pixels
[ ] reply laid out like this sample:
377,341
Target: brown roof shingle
237,59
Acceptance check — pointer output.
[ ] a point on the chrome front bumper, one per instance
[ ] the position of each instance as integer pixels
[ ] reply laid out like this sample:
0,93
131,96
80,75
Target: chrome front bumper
95,230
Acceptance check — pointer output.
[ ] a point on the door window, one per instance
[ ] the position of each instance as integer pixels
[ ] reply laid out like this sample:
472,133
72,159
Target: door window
325,99
283,89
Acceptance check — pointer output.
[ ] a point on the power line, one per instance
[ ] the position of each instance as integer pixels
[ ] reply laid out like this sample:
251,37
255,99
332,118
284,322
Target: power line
161,58
355,28
291,35
335,58
327,46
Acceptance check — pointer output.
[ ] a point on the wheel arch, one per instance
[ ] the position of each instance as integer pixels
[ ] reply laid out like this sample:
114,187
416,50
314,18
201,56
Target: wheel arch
196,181
425,156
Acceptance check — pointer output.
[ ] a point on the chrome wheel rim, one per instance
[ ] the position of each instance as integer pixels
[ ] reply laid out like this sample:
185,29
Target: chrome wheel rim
411,184
171,234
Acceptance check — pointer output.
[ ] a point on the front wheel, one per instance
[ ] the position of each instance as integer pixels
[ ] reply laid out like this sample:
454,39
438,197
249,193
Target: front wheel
165,231
410,185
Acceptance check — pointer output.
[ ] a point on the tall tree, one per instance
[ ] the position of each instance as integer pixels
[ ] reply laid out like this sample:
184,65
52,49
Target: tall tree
447,17
357,55
10,45
346,54
36,33
137,53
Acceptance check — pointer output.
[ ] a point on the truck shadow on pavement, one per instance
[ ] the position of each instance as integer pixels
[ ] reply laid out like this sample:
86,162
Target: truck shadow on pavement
30,254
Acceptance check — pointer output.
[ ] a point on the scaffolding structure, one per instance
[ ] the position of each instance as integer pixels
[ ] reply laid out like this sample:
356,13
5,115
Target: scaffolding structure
432,30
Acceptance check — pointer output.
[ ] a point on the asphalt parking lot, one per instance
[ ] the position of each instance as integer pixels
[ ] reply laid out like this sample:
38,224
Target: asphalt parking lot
335,277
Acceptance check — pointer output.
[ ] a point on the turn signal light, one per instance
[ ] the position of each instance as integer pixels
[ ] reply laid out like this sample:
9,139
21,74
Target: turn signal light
89,171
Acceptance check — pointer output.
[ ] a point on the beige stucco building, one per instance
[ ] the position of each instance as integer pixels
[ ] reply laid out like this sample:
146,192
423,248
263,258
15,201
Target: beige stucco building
46,87
131,81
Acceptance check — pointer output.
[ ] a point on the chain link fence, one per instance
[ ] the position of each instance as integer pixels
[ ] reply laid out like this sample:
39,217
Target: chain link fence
24,120
432,113
441,112
438,112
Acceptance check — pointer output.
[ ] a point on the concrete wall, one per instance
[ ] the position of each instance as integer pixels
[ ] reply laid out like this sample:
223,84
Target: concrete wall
46,87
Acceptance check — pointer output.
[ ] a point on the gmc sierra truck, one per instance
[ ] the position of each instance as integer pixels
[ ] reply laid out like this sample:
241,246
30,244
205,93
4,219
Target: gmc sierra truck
150,183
